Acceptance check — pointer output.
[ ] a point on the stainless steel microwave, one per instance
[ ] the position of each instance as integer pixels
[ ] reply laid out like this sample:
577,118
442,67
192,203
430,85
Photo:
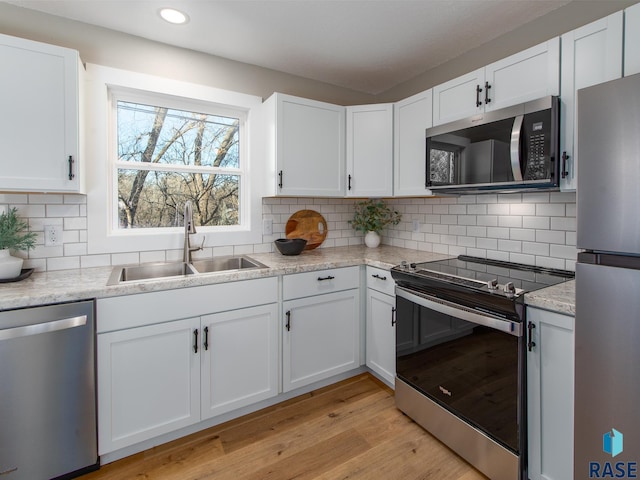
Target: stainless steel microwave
511,149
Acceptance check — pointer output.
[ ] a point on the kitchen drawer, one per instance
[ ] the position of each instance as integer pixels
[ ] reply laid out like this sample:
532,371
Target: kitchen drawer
130,311
318,282
380,280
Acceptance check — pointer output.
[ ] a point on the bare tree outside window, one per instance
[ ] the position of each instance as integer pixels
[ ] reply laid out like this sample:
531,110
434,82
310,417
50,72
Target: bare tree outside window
168,156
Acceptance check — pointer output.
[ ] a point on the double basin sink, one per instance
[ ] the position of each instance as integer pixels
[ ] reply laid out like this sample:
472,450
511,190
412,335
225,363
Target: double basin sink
154,271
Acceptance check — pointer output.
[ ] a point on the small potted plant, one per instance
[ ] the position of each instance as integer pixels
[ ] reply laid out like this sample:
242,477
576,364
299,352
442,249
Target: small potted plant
14,235
371,217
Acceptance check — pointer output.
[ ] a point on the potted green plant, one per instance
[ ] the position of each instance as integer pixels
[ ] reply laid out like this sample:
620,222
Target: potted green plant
371,217
14,235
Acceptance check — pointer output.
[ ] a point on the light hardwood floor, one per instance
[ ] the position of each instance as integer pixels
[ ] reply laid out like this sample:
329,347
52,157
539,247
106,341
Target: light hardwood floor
350,430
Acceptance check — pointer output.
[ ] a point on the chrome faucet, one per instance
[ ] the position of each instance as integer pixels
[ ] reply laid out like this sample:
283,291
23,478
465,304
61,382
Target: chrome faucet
189,228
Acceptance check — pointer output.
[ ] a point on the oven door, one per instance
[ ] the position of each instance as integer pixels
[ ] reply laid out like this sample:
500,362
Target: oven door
469,363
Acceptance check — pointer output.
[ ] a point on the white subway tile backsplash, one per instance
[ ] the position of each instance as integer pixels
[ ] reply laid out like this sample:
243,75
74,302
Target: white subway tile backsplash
534,228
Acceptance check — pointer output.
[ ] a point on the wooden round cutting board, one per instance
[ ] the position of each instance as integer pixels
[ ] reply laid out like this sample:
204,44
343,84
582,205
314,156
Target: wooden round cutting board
307,224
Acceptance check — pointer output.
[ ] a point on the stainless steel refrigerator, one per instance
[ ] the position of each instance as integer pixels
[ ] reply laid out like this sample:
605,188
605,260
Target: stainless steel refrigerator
607,325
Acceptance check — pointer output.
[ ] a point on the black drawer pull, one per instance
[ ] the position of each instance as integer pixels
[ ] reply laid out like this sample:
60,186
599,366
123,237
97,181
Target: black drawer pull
322,279
206,338
478,101
195,341
375,275
280,177
393,316
288,324
565,157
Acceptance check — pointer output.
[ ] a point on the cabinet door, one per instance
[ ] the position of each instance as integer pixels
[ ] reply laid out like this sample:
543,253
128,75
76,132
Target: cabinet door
458,98
39,121
370,150
527,75
632,40
321,337
310,147
148,382
550,395
412,116
381,345
590,55
239,358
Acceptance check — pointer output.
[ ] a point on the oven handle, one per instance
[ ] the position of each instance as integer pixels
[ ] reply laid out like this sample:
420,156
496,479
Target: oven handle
459,311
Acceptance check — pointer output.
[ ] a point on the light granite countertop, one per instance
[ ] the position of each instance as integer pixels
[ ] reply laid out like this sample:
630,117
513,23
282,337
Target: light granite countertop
559,298
70,285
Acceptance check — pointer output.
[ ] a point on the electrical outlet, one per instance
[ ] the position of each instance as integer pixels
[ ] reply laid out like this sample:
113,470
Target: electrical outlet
267,226
416,226
52,235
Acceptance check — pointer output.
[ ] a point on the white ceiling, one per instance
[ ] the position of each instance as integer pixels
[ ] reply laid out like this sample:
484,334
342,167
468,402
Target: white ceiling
365,45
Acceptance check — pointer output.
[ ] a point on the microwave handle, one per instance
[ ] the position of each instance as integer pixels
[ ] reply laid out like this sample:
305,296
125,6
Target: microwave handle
516,131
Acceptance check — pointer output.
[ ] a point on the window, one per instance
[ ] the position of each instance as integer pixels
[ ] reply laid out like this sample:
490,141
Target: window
166,156
210,150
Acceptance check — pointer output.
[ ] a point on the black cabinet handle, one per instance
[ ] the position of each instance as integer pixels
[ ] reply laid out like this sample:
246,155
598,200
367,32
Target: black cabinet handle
349,186
478,91
280,177
206,338
322,279
375,275
71,174
288,324
195,341
531,343
565,157
393,316
486,93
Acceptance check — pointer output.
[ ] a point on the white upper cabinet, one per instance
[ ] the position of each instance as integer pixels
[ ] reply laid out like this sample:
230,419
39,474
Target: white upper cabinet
370,150
632,40
590,55
412,116
308,142
527,75
39,94
458,98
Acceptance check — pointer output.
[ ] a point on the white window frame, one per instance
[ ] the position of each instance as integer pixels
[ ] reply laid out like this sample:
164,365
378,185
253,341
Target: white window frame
104,86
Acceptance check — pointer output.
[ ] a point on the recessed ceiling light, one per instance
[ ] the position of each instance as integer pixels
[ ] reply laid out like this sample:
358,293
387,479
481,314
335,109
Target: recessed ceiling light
172,15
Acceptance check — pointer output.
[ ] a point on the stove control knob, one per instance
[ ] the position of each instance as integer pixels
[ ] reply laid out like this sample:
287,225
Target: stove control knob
403,264
492,284
413,266
509,288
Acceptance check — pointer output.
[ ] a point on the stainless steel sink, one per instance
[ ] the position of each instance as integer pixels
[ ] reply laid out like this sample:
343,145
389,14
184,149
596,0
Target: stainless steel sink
149,271
224,264
154,271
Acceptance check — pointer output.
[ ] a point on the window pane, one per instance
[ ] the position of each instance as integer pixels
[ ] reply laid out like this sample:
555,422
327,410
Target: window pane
152,199
176,137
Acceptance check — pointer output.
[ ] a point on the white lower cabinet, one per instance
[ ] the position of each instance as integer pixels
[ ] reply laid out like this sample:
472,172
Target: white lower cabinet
380,326
167,361
239,359
148,382
381,345
321,334
550,381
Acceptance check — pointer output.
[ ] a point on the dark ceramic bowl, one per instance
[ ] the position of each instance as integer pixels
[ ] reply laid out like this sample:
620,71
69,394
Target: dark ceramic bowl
290,246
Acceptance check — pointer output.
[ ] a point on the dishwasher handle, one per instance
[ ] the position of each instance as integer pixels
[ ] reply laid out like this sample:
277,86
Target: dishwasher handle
46,327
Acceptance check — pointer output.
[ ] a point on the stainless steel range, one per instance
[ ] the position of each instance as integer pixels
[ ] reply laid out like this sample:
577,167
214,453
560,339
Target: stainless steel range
461,352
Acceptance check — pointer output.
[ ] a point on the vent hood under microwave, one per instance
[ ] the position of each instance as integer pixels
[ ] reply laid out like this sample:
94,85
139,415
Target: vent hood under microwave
513,149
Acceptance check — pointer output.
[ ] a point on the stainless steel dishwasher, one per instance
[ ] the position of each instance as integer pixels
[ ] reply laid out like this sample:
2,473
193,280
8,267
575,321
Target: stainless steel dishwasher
47,392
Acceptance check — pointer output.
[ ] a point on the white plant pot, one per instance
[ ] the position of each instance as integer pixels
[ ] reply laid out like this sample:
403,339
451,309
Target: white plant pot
10,267
372,239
